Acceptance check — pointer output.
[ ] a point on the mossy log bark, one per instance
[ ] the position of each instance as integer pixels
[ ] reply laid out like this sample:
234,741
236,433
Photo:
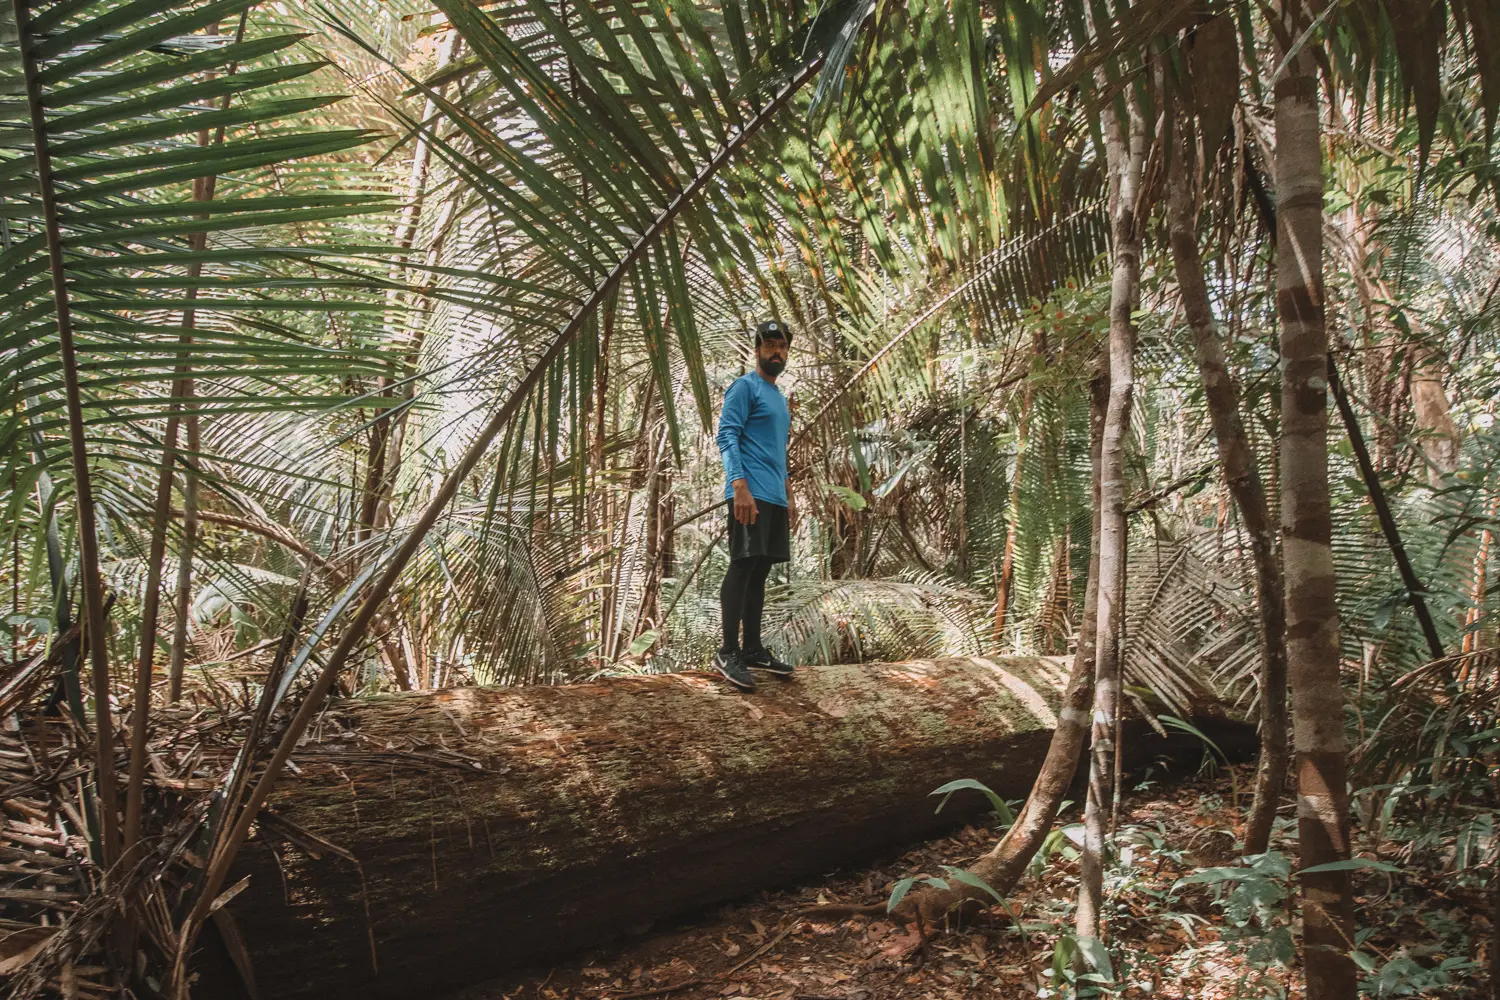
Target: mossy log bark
495,827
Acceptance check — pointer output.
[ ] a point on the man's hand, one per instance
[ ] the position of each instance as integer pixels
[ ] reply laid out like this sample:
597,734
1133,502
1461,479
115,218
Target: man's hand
744,504
791,508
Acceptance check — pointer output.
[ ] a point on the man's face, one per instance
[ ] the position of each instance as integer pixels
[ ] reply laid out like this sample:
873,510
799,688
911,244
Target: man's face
771,356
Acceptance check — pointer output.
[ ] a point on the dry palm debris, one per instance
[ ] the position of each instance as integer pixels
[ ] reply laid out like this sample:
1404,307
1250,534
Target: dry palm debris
57,911
42,853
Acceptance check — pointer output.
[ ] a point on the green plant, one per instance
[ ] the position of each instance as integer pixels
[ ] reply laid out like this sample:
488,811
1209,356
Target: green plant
1080,965
1003,810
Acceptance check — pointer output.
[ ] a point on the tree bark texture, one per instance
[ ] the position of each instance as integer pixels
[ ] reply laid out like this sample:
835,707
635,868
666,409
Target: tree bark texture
1125,147
1306,527
496,827
1243,478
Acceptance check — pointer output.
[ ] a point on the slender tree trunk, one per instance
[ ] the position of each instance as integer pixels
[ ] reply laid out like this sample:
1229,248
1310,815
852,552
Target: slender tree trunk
668,529
1012,514
652,589
656,533
1437,436
382,457
150,607
1126,153
1478,591
1002,868
184,390
1378,353
1306,526
374,484
182,594
1052,628
964,567
601,384
1243,478
1415,592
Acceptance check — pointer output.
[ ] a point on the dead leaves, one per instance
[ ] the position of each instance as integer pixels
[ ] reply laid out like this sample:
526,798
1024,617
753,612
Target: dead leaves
871,957
901,945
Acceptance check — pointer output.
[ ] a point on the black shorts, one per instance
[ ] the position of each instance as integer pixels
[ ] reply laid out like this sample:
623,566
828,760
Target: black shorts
769,536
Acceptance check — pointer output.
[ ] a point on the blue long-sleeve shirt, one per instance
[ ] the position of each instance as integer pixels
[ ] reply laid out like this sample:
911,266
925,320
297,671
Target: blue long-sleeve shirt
752,438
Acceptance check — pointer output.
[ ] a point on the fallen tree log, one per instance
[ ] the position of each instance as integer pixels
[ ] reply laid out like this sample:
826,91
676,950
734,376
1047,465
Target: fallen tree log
425,841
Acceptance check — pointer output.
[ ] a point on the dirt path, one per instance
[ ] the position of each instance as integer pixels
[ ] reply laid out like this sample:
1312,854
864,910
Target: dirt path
1172,947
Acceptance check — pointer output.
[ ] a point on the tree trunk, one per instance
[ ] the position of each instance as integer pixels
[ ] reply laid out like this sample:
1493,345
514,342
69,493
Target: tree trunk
649,610
1243,478
1307,551
1001,869
495,827
1052,628
1126,154
182,595
1013,514
601,385
1480,589
1437,434
383,452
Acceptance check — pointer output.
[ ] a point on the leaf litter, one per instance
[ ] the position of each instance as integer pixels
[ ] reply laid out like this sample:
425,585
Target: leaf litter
1176,947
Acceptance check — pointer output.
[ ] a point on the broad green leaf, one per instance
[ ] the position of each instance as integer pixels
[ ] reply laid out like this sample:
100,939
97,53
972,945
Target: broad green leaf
1002,809
1352,864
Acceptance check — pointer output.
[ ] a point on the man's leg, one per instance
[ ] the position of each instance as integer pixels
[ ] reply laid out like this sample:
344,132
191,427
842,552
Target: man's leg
755,601
728,660
732,602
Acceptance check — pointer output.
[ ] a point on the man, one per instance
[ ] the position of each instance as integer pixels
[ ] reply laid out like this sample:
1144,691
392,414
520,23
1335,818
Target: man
752,443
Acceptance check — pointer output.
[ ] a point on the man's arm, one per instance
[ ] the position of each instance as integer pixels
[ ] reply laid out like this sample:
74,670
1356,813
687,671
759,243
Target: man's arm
731,425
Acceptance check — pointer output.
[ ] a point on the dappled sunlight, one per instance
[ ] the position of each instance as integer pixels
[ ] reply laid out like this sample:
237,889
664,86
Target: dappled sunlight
487,480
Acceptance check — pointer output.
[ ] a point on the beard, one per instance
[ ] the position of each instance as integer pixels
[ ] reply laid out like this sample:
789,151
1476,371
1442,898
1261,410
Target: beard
772,367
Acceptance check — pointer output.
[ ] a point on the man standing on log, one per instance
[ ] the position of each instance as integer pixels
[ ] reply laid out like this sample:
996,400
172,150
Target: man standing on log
752,443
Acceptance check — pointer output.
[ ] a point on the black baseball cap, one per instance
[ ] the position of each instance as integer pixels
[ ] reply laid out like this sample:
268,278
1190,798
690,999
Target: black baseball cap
773,330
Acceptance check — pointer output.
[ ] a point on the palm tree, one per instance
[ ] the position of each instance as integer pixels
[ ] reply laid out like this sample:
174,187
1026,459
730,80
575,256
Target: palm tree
99,239
647,204
458,436
1306,529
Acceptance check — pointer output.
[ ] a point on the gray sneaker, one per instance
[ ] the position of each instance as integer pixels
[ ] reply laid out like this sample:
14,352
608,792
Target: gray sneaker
732,667
761,659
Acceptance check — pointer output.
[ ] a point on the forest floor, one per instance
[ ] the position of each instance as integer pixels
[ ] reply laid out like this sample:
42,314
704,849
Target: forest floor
1165,944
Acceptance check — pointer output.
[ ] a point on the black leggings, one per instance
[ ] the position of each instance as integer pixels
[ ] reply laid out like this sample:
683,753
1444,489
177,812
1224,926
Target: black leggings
742,600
